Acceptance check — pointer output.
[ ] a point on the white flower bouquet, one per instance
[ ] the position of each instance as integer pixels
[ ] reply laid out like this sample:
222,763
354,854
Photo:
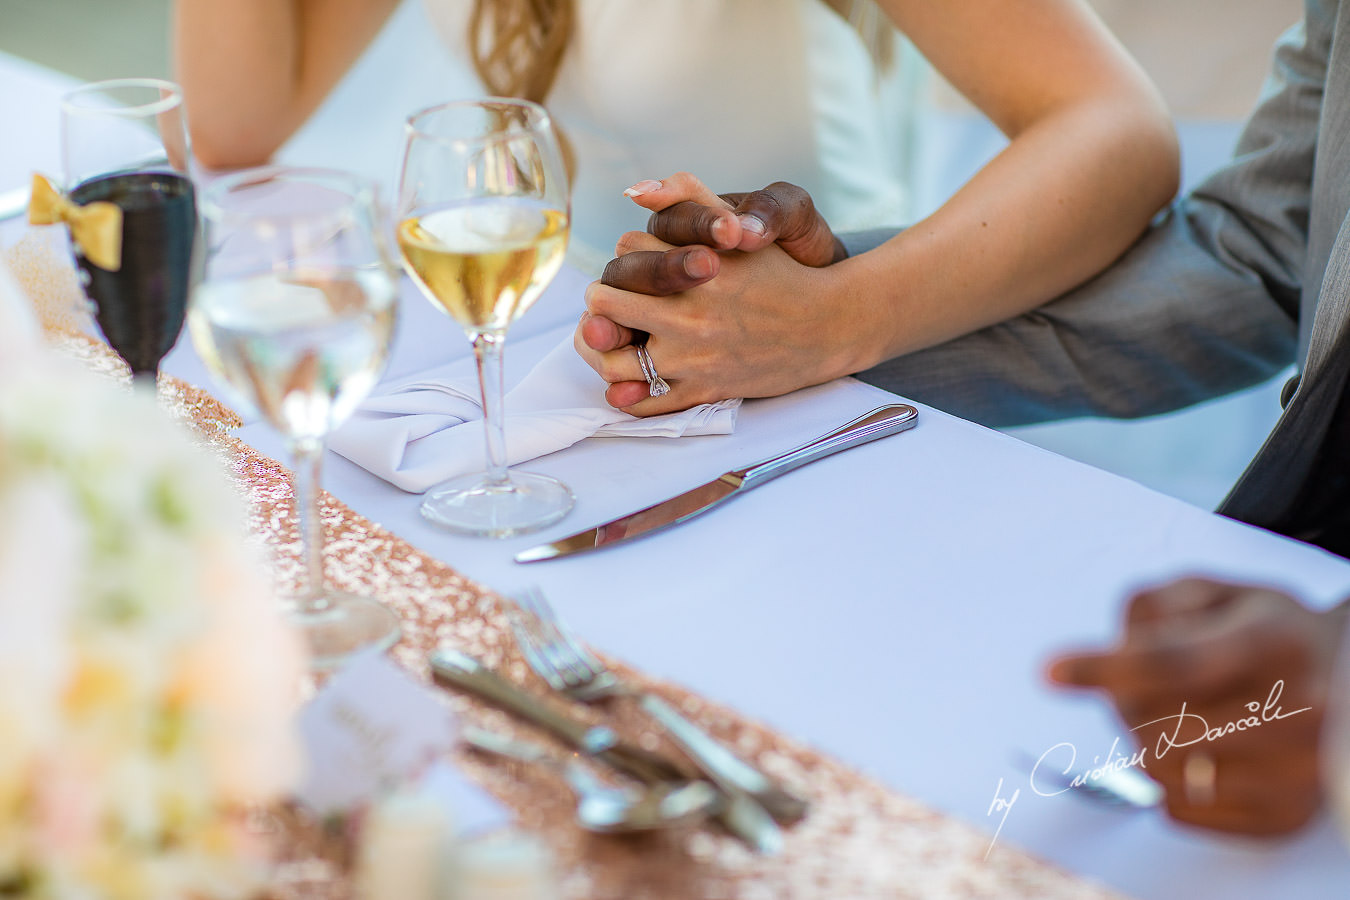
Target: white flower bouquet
146,675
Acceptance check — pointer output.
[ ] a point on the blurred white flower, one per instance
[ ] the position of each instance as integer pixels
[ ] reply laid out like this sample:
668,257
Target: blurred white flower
40,532
146,676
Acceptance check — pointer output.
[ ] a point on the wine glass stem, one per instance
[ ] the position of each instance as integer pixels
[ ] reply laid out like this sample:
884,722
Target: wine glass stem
487,352
308,456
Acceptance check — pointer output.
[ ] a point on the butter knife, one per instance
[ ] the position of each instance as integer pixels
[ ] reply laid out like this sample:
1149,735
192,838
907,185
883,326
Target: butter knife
468,674
878,423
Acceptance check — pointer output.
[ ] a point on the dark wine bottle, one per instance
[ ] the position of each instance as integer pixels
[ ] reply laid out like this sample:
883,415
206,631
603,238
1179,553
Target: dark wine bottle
140,307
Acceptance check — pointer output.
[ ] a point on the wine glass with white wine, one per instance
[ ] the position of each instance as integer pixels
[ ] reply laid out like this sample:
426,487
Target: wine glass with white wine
483,223
294,316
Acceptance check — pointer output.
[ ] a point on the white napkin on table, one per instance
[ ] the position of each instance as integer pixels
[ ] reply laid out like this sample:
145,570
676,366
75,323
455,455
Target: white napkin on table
428,430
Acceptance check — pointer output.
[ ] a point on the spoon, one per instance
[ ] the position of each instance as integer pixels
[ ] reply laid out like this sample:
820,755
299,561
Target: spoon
603,807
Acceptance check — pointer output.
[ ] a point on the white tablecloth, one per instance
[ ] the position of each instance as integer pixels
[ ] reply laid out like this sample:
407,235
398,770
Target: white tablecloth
893,605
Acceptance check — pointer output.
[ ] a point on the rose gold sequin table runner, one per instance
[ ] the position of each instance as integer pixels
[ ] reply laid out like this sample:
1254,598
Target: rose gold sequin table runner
861,840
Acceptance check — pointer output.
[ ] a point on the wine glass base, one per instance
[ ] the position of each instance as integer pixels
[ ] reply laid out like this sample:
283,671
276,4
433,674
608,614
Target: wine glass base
346,625
471,504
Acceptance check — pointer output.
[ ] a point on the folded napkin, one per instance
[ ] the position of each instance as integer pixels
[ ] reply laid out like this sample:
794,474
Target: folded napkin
415,436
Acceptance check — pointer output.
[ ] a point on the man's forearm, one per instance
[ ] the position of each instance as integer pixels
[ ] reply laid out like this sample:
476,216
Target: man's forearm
1169,325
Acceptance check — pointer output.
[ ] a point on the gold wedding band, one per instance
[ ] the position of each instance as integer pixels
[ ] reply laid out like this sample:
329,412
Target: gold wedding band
656,385
1198,777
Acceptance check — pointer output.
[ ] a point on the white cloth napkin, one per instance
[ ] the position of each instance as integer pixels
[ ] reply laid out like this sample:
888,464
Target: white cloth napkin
428,430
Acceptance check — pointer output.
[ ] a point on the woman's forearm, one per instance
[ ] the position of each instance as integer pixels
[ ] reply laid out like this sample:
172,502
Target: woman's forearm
1066,197
252,71
1092,156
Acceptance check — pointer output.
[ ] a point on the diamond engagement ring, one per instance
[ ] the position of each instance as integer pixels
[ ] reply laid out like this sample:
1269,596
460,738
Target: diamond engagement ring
1198,775
656,385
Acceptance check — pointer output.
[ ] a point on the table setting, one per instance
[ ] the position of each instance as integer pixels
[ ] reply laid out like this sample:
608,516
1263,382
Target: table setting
783,647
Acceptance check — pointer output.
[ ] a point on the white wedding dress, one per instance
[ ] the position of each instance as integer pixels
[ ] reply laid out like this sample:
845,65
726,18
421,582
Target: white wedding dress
738,92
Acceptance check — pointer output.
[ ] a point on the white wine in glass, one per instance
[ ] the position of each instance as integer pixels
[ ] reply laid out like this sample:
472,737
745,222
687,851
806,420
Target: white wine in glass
485,261
484,219
295,317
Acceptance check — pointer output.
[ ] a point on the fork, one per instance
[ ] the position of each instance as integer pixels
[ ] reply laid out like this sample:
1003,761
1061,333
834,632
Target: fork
571,669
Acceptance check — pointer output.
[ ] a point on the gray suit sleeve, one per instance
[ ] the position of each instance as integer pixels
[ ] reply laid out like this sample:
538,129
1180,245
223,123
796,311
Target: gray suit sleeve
1205,303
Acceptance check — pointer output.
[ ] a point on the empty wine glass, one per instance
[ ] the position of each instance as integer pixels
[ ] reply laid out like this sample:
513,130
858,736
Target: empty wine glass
125,142
484,220
294,316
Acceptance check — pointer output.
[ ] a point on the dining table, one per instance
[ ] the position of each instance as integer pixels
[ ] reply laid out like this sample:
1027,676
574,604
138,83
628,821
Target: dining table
873,627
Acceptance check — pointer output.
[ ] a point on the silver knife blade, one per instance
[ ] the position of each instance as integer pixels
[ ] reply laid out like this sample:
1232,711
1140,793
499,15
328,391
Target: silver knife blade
878,423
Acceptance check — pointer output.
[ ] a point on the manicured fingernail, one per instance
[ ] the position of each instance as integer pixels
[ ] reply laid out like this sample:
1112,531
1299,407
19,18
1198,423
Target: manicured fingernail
698,264
753,224
642,187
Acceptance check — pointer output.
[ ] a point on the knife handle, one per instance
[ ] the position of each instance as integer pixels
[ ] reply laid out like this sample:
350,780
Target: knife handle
468,674
880,422
741,814
728,771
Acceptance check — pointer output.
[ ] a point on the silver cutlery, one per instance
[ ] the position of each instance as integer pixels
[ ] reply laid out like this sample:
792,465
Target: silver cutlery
1111,787
468,674
878,423
602,807
756,803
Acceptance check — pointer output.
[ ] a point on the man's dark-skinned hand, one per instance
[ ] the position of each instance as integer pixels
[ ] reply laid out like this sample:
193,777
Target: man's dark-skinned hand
689,229
1250,656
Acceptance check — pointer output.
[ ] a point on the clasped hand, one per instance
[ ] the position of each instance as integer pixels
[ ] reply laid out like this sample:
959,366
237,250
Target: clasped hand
726,292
